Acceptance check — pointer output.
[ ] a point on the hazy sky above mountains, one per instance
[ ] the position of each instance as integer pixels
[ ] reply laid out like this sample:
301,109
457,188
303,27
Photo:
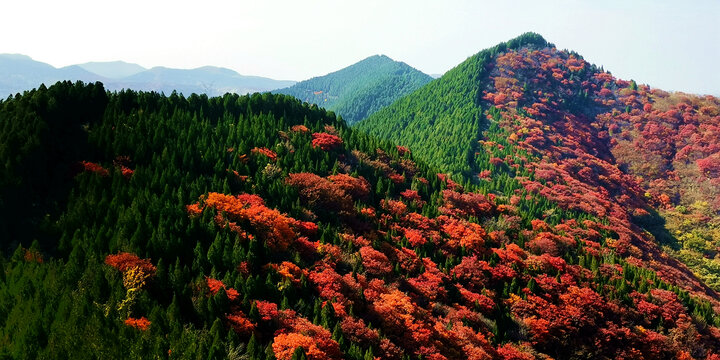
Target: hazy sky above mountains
671,45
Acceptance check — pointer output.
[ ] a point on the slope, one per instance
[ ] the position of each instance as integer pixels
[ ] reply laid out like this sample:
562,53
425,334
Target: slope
259,227
573,134
671,142
440,121
360,89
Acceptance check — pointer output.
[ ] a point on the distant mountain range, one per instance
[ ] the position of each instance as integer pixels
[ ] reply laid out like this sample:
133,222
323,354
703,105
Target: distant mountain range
113,69
20,72
360,89
354,92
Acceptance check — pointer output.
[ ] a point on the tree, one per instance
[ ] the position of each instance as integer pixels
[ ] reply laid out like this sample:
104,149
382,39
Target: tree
375,262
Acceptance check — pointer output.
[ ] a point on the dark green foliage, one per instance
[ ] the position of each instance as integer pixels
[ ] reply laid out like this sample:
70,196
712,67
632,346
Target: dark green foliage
179,148
41,138
360,89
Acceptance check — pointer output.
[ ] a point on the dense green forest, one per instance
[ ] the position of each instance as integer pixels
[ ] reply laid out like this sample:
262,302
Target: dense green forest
441,119
360,89
485,216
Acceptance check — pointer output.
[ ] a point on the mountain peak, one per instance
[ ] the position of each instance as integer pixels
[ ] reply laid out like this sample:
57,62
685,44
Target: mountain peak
362,88
112,69
16,57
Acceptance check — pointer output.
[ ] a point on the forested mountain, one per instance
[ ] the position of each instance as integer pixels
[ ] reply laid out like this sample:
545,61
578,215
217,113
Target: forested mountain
574,134
139,225
443,120
19,73
360,89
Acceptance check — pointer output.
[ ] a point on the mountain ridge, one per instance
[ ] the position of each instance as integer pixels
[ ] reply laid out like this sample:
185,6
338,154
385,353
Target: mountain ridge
360,89
560,99
112,69
454,88
22,73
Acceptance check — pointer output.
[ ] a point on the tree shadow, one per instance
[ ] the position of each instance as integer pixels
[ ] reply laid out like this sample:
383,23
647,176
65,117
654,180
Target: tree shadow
654,223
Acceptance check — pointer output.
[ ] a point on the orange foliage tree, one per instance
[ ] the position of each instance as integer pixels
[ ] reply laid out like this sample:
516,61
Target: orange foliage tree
141,324
277,229
326,141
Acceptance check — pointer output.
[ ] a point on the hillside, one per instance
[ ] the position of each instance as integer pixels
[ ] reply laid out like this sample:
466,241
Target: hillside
440,121
360,89
641,158
146,226
19,73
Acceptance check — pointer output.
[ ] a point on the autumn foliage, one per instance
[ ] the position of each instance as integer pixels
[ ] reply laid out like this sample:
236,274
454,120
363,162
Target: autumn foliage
141,324
326,141
125,261
271,155
277,229
549,243
215,285
94,168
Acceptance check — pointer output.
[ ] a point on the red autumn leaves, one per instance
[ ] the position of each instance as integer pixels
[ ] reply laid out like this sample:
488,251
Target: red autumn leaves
277,229
135,271
121,163
334,193
141,324
125,261
326,141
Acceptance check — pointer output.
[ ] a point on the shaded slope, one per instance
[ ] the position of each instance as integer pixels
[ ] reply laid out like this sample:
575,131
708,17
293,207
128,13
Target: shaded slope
360,89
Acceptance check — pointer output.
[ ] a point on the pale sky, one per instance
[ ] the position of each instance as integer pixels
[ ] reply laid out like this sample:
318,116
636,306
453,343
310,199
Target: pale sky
672,45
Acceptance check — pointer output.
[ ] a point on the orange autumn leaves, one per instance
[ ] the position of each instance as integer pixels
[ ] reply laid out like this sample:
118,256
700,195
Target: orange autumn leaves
215,285
135,273
296,331
237,320
266,152
125,261
121,163
141,324
277,229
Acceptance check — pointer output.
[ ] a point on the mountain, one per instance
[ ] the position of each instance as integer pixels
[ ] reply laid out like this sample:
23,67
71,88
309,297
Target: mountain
19,73
641,158
442,120
360,89
142,225
209,80
112,69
